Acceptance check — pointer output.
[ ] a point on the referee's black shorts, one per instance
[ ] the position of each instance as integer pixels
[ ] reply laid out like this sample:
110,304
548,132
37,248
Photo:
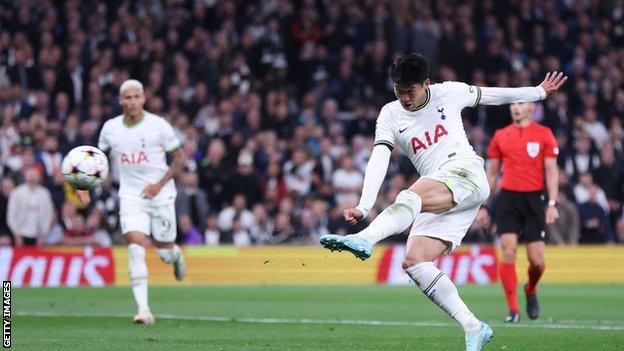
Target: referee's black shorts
522,213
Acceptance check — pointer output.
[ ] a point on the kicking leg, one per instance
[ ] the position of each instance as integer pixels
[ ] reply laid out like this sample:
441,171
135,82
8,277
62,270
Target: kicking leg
418,264
425,195
137,242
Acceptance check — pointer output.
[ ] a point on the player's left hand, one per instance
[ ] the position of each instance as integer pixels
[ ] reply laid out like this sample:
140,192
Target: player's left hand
552,82
552,214
151,191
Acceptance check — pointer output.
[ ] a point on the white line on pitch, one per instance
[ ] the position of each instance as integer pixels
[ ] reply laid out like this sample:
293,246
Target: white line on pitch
317,321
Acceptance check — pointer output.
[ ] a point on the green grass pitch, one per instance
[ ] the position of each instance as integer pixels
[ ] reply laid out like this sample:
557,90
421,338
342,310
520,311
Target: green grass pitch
574,317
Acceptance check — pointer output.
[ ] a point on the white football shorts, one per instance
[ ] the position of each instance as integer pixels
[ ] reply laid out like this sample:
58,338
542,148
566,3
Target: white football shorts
159,220
467,181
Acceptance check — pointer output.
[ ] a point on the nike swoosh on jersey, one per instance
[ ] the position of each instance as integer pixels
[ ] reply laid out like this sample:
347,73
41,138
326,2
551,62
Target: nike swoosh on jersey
404,129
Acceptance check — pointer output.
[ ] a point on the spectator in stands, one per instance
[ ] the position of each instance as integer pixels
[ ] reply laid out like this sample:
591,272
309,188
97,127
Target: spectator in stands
244,180
594,225
585,186
190,235
619,232
212,235
6,187
94,225
30,211
583,159
567,229
78,233
609,172
192,201
347,180
285,232
236,220
298,173
274,181
596,130
262,228
213,172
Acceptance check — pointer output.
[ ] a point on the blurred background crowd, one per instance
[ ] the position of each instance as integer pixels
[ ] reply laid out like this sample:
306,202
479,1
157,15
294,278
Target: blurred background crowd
275,102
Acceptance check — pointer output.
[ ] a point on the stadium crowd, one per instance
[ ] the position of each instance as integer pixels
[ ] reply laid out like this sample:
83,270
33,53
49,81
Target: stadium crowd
275,102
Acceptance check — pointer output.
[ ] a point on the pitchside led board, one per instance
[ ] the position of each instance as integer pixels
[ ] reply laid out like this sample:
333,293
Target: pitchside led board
63,266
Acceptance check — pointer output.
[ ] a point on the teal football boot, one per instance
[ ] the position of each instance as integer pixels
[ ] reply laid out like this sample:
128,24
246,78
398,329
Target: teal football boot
475,340
361,248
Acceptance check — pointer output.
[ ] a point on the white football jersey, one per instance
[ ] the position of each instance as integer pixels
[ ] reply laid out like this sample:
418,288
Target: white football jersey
139,152
434,133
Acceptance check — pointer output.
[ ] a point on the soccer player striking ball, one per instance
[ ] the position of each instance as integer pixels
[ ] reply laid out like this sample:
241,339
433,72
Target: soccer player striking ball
425,123
528,151
138,142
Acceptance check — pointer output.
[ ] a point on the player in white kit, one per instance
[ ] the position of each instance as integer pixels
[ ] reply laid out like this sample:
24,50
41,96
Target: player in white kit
425,123
138,141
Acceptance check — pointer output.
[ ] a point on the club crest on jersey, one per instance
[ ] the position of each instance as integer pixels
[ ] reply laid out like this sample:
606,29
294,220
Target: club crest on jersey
418,144
533,149
134,158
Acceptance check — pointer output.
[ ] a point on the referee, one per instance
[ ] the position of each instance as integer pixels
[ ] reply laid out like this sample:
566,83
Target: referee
528,153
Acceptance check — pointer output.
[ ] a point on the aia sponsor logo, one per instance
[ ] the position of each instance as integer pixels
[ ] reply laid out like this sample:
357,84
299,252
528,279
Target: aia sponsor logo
477,265
134,158
40,267
428,139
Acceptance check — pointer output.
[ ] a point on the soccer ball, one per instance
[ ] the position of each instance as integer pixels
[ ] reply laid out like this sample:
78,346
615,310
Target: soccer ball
85,167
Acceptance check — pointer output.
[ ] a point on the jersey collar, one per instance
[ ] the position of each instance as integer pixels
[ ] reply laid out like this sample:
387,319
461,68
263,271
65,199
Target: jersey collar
123,119
421,106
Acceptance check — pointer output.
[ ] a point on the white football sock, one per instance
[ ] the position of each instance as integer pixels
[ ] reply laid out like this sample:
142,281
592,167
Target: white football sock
138,275
439,288
170,255
394,219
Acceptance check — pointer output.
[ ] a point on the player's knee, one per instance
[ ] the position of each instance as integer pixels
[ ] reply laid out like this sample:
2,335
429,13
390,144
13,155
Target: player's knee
412,260
409,199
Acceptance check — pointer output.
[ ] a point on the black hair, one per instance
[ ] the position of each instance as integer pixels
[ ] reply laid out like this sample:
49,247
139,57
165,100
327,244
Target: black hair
409,69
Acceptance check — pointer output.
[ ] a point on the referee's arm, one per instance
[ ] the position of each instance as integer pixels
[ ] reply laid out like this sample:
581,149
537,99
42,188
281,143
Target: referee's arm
551,171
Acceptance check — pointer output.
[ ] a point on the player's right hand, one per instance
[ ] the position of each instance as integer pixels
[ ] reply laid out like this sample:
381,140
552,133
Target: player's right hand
83,197
552,82
352,215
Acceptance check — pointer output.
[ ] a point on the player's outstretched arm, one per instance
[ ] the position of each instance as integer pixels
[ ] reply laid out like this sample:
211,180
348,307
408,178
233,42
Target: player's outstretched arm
175,167
373,177
501,96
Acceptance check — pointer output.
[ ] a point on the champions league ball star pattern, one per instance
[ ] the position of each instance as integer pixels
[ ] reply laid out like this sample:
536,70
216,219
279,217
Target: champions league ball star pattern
85,167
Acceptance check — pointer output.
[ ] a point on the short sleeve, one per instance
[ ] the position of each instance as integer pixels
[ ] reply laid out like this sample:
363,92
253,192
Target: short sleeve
384,134
168,139
464,94
103,142
550,144
494,150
